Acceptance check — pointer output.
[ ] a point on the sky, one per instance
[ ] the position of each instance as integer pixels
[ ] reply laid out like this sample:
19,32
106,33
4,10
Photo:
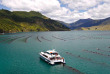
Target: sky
64,10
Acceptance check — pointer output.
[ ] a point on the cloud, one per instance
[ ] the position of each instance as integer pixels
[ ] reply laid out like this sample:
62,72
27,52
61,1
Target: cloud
96,9
81,4
100,12
63,10
38,5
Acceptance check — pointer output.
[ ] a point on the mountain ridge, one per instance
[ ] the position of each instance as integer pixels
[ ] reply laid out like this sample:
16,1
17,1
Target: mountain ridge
89,24
22,21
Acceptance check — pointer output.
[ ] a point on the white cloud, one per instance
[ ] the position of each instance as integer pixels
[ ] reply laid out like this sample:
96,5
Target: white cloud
81,4
74,10
96,9
38,5
100,12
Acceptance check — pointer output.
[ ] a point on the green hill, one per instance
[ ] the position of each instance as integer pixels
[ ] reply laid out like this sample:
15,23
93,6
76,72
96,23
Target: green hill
22,21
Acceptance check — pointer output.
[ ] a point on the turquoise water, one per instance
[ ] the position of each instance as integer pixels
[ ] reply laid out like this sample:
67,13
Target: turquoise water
19,52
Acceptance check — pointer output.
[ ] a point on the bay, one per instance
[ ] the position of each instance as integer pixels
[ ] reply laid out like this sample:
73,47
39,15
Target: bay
19,52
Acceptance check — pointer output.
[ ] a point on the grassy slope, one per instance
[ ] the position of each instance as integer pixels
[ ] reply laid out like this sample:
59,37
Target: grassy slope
101,27
21,21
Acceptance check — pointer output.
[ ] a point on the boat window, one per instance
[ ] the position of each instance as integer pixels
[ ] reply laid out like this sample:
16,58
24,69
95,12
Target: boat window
47,52
45,56
52,58
56,58
54,53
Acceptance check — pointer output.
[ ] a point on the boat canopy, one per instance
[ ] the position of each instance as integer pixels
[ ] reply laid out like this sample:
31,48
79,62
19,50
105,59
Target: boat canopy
52,51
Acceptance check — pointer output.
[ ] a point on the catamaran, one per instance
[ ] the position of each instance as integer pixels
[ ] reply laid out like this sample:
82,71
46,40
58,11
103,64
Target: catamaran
52,57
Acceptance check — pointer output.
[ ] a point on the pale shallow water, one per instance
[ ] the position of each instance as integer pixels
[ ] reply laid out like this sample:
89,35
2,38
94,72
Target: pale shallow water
19,52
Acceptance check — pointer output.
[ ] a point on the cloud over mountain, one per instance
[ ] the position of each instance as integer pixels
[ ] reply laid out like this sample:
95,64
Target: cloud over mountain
64,10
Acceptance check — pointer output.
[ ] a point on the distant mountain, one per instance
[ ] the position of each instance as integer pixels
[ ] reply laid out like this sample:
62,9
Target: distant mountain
84,23
22,21
104,25
87,23
65,24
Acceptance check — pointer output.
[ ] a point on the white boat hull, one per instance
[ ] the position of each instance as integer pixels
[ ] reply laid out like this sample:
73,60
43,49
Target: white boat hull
52,62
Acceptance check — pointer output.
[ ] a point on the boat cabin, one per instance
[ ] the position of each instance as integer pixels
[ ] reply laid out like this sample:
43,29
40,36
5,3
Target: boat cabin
52,52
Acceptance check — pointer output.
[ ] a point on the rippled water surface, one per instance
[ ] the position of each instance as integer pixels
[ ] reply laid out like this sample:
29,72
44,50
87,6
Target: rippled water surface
84,51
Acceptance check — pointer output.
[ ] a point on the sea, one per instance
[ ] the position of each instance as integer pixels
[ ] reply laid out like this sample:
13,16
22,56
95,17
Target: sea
85,52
